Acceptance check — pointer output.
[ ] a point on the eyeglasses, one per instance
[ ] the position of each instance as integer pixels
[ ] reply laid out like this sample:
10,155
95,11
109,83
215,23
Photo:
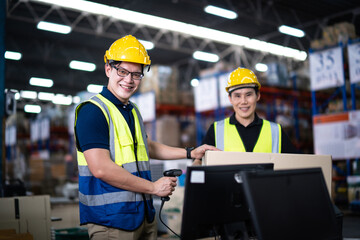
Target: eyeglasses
122,72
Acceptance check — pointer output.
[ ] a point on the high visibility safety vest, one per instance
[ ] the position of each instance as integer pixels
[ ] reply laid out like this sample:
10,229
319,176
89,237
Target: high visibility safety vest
228,139
104,204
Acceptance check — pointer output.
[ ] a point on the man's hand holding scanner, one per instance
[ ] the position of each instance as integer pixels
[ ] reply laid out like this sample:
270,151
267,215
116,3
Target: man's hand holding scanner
165,186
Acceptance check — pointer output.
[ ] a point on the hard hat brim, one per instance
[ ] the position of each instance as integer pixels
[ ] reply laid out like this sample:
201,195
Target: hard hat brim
250,85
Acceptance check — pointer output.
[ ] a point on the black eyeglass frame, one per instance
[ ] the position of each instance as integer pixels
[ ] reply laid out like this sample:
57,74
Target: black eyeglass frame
127,72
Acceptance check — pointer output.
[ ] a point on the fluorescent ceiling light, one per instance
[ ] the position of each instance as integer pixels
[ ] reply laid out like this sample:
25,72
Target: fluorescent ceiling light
62,99
28,94
41,82
276,49
194,82
46,96
301,56
30,108
93,88
221,12
261,67
163,24
204,56
76,99
12,55
17,96
83,66
54,27
147,44
291,31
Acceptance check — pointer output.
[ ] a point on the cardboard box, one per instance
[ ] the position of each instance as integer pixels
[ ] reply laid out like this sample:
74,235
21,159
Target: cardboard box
36,170
19,236
186,98
329,36
58,170
4,232
168,130
163,80
345,31
27,214
281,161
317,44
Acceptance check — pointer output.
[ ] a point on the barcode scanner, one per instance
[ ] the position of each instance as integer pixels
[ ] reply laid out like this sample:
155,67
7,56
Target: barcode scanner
169,173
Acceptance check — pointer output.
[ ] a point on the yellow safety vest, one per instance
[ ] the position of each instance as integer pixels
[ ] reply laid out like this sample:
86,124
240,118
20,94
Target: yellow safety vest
101,203
227,137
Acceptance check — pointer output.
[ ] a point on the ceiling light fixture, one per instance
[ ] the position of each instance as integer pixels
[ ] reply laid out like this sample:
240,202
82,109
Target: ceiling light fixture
28,94
30,108
61,99
261,67
205,56
291,31
194,82
76,99
41,82
17,96
147,44
93,88
54,27
46,96
83,66
12,55
221,12
167,24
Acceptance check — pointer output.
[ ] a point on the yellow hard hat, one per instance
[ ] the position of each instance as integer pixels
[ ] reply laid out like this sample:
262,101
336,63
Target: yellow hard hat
127,49
242,77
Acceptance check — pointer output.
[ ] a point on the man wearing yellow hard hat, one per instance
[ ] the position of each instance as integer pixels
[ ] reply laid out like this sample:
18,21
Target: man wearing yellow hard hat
244,131
113,151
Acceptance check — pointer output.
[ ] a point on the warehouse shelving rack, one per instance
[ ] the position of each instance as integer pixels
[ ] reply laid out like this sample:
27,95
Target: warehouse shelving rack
318,106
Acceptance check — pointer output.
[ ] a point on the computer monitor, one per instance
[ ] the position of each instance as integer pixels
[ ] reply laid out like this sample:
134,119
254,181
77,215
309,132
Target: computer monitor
214,202
290,204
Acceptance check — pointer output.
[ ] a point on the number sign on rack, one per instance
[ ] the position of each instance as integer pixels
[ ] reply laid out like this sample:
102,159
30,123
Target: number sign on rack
354,62
326,69
146,105
224,99
206,95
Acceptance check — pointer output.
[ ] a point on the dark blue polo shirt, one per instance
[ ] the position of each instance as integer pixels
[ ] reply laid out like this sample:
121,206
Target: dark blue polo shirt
92,129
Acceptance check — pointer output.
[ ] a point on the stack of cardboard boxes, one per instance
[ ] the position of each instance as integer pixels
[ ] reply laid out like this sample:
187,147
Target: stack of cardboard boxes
334,34
163,80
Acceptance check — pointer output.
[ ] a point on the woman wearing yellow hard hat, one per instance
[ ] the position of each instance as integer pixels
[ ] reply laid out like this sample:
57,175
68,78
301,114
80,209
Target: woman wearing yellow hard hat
244,131
113,152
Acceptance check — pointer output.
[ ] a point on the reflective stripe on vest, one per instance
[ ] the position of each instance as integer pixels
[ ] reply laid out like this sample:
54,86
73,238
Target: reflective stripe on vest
99,200
102,203
227,137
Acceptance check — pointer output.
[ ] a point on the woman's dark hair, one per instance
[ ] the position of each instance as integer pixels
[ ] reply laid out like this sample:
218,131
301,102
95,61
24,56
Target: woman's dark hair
255,88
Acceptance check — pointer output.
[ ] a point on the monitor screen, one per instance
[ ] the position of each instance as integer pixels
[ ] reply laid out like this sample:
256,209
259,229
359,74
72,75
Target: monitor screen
290,204
214,202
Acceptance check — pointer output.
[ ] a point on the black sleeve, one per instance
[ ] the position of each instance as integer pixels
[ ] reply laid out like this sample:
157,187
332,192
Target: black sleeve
210,136
286,145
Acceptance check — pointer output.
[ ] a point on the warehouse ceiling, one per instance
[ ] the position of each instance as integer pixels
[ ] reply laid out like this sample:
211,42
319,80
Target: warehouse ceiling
47,54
